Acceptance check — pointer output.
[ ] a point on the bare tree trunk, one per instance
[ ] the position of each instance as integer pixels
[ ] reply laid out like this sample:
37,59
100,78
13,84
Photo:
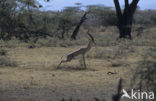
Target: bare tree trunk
125,18
83,18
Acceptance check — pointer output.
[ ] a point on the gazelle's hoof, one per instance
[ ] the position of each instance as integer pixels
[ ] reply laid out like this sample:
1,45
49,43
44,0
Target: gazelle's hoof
57,67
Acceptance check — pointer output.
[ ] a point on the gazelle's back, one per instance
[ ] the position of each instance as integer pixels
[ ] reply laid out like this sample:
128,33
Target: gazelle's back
78,52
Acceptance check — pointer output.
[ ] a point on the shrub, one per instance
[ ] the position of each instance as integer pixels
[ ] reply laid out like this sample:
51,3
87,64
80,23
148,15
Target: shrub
5,61
3,52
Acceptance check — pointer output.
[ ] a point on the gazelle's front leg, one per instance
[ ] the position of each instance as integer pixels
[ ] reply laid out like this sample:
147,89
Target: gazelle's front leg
61,63
84,62
68,59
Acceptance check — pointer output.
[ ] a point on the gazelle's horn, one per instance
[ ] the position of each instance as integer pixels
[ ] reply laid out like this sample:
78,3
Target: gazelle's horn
92,38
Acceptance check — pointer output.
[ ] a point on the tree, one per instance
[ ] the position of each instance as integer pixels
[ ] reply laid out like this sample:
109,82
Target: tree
66,19
19,18
125,18
76,30
101,15
9,17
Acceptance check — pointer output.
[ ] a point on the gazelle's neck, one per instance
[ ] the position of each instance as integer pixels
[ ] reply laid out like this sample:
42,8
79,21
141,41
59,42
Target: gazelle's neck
89,45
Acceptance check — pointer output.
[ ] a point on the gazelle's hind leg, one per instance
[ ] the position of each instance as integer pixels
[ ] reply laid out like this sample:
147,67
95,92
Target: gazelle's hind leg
69,58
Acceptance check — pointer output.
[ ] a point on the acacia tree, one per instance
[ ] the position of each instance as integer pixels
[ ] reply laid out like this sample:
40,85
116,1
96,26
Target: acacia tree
9,17
18,19
125,18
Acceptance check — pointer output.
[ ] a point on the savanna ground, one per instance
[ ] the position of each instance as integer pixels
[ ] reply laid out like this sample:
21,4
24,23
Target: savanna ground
28,71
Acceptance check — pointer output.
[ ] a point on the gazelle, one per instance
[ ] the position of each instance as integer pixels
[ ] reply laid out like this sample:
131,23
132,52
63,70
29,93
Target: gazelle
81,51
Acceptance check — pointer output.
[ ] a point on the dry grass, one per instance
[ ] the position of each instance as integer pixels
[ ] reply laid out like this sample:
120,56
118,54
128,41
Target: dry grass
36,78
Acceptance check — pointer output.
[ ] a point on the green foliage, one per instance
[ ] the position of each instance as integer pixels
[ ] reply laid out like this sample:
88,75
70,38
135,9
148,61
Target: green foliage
22,19
145,17
106,16
66,20
10,11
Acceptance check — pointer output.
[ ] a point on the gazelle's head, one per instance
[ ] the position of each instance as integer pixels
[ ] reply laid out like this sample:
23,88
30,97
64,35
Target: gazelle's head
91,40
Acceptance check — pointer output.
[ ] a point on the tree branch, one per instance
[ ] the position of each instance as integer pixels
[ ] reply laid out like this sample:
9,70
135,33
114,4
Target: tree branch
76,30
126,3
118,9
133,5
126,9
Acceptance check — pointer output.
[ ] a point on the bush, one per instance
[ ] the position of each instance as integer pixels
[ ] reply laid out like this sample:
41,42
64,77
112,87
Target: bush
3,52
5,61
